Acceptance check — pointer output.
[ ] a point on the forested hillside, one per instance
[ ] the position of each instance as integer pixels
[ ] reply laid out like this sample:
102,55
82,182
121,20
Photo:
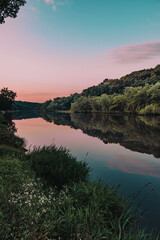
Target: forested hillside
20,105
138,92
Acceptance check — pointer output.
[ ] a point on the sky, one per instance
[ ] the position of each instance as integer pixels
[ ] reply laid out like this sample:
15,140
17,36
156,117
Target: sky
58,47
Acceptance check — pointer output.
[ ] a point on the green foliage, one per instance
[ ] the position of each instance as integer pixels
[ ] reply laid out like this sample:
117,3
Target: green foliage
150,110
92,210
30,210
11,151
82,104
7,98
26,106
59,103
10,8
45,105
117,86
15,217
57,166
141,100
136,82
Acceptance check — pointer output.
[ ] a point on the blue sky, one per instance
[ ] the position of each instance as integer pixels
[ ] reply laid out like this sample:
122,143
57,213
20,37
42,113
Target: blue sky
56,47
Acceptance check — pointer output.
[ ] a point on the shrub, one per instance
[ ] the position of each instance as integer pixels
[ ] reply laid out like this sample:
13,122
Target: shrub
57,166
93,211
10,151
87,210
150,109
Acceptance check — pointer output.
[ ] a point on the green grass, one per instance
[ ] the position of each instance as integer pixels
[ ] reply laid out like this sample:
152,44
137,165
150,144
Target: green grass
86,210
46,195
13,152
57,166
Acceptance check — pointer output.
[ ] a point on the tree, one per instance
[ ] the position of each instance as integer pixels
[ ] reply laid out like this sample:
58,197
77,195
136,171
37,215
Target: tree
10,8
7,97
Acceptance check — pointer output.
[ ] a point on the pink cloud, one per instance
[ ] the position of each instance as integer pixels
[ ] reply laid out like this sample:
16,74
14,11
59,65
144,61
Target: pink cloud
56,3
135,53
49,1
54,7
33,8
134,165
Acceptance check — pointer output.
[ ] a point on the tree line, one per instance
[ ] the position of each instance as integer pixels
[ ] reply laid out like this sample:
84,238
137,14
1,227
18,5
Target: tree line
137,92
141,100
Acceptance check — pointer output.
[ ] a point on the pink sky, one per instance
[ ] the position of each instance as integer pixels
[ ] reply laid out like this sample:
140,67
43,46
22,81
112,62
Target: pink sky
37,74
39,67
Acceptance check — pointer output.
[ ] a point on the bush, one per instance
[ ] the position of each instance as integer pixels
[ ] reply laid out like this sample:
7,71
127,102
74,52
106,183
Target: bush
10,151
57,166
150,109
88,211
93,211
30,210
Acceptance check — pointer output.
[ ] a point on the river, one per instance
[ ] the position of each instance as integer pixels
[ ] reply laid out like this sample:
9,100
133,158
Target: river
120,150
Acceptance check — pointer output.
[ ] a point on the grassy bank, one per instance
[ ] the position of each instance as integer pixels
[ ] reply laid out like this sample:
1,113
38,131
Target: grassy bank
47,194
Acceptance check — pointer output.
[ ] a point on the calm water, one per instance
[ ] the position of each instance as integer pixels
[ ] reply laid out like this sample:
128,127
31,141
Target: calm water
120,150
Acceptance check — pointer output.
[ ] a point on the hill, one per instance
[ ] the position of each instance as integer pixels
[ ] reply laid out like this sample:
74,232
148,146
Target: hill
26,106
112,92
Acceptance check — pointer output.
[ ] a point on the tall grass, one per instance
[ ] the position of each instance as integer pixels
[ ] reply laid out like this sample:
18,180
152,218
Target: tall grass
57,166
67,207
84,210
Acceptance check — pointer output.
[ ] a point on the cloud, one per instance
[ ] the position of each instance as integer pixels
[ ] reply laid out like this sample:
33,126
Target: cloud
33,8
134,165
55,3
135,53
54,7
49,1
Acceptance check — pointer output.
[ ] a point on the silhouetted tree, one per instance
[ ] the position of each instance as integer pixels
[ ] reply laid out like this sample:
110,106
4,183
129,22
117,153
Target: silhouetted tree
7,98
10,8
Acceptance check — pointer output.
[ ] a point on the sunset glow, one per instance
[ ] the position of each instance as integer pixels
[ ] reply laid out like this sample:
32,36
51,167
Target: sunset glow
55,48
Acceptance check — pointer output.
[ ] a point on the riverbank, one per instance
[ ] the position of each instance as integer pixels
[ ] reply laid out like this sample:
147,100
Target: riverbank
75,209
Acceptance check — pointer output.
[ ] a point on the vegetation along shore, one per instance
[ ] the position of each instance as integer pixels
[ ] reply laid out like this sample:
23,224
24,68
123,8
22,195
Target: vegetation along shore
47,194
135,93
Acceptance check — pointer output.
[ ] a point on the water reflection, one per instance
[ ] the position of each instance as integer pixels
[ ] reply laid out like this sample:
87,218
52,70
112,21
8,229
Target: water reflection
140,134
7,130
115,145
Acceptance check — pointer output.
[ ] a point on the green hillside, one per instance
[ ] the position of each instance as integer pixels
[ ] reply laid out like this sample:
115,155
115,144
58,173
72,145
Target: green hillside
20,105
138,92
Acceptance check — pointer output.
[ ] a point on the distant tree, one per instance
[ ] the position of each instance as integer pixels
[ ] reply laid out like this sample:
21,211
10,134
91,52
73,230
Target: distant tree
7,97
10,8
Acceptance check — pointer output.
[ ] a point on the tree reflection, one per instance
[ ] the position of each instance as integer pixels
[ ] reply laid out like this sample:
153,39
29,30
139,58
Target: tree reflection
137,133
7,133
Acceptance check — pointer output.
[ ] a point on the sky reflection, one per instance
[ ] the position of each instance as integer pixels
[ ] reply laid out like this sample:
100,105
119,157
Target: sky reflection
38,132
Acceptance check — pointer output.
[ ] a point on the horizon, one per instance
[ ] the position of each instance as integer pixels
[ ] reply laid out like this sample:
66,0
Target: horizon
82,89
55,48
